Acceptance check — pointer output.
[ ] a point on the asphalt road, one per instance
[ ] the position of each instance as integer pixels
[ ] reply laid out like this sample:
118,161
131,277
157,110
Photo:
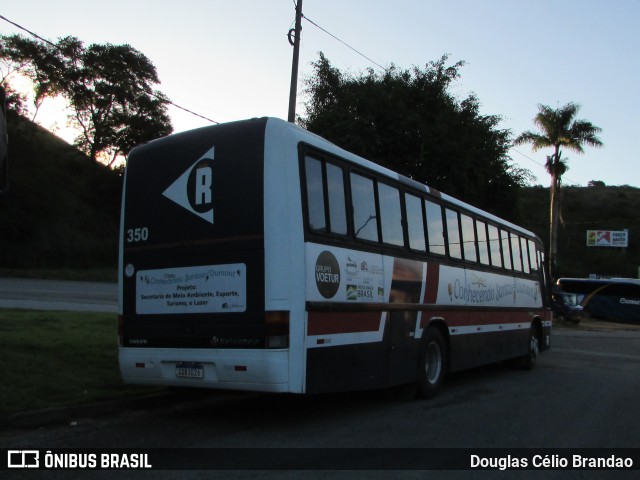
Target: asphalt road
582,394
38,294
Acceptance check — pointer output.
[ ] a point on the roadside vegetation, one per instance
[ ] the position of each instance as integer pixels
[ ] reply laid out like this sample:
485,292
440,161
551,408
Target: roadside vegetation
596,207
52,359
61,211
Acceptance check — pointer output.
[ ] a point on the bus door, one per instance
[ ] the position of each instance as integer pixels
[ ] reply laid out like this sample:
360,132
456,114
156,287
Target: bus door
406,287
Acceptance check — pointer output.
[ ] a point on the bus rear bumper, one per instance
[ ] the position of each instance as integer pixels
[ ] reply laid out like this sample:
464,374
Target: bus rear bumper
253,370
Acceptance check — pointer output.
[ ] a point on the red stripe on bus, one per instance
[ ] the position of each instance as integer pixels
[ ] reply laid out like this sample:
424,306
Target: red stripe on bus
327,323
433,278
463,318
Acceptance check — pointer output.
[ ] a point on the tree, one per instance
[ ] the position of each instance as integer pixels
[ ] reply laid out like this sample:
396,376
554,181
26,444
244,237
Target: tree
36,61
14,100
108,87
558,129
409,121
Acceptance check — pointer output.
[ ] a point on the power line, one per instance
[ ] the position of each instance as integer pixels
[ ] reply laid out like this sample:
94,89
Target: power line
527,157
183,108
28,31
541,165
158,97
341,41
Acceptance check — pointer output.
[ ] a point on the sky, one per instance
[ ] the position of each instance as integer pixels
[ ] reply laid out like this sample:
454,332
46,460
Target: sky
229,60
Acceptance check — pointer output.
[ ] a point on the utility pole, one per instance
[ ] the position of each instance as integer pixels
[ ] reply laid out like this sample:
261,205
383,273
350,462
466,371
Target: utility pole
294,67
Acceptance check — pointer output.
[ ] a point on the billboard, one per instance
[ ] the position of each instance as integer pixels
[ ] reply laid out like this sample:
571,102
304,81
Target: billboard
608,238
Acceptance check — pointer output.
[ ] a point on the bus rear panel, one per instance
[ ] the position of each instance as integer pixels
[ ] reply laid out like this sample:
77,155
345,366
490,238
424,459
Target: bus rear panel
192,264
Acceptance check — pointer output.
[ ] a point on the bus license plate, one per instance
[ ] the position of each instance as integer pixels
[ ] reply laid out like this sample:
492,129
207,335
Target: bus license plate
190,370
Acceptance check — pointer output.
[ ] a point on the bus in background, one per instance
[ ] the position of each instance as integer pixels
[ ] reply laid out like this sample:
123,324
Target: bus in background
255,255
616,299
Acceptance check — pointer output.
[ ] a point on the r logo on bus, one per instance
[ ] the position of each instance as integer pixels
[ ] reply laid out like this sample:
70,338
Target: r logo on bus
193,190
204,178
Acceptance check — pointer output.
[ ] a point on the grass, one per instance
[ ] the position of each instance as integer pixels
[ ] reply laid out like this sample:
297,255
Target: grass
52,359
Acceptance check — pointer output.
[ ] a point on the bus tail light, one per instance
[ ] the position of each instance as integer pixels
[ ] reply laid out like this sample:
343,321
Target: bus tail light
277,329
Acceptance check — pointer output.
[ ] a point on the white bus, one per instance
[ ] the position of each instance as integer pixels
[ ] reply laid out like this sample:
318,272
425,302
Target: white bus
255,255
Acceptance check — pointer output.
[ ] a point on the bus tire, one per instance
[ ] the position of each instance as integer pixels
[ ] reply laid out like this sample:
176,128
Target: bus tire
432,363
531,358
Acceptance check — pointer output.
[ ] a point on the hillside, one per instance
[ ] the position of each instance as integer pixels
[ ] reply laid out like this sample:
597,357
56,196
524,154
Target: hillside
588,208
61,210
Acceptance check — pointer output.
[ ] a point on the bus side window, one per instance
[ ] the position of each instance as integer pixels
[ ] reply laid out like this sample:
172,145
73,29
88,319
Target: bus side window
533,257
415,222
525,255
315,195
335,191
515,250
435,228
365,219
494,246
506,250
483,245
468,238
453,233
390,215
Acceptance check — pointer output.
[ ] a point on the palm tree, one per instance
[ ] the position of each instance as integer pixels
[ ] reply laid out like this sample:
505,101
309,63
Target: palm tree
559,129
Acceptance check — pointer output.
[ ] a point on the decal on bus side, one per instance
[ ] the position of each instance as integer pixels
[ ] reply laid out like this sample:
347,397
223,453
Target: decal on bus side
342,275
465,287
193,189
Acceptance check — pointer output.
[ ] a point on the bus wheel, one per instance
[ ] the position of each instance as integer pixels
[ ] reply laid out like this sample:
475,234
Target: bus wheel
431,363
529,361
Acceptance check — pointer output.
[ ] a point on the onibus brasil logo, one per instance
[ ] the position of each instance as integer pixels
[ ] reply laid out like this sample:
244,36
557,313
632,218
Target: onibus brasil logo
192,190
